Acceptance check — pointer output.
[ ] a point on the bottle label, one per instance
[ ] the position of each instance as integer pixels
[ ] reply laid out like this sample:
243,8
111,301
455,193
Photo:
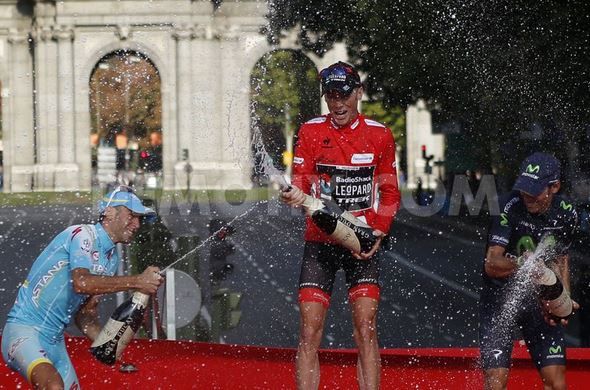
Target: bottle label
109,332
345,236
560,307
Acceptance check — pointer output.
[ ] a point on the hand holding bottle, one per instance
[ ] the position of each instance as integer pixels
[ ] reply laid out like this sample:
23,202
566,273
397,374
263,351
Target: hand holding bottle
292,195
149,280
341,226
367,255
550,318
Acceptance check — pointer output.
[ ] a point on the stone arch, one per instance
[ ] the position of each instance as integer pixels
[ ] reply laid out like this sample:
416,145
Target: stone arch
204,58
136,46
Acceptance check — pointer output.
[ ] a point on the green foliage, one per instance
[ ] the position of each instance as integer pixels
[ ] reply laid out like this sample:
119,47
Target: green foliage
284,94
392,117
125,97
497,66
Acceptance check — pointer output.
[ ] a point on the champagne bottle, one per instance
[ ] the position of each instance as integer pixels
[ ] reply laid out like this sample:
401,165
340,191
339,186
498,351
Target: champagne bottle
120,329
553,295
341,226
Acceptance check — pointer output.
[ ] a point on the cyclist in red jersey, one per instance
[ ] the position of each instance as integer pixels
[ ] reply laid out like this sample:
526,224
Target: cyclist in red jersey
350,159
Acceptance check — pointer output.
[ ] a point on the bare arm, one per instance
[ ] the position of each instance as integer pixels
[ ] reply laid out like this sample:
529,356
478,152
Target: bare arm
562,268
87,318
497,265
86,283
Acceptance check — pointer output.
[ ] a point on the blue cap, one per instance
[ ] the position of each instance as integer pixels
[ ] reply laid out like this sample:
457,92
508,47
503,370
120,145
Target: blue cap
537,172
119,197
341,77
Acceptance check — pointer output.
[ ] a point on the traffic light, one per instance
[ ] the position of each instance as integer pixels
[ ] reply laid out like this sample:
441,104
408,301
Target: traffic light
151,159
427,158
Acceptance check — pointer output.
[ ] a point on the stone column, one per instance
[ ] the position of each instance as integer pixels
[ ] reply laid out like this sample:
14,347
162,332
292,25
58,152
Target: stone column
19,135
46,112
183,36
66,178
65,90
206,105
235,110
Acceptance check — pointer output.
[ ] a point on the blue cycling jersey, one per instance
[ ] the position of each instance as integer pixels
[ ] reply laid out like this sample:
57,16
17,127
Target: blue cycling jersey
46,299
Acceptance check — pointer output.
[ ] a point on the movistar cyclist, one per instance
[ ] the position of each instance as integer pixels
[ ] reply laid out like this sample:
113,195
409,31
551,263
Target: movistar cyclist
531,211
64,283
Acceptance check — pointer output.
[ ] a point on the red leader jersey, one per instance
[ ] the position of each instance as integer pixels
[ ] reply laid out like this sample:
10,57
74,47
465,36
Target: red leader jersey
353,165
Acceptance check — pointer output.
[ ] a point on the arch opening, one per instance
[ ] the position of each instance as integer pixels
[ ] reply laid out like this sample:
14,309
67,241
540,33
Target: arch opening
126,120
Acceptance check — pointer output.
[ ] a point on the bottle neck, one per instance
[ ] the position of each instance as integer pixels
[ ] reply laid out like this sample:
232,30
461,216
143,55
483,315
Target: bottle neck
140,298
312,204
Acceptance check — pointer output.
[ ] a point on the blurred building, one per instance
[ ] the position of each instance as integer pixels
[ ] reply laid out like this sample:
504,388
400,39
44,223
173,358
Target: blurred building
421,142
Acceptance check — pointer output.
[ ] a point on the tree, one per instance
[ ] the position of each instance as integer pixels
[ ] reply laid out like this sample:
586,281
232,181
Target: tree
498,66
284,94
125,96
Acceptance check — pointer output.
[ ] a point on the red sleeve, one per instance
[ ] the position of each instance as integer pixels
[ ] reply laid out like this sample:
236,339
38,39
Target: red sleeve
303,160
389,195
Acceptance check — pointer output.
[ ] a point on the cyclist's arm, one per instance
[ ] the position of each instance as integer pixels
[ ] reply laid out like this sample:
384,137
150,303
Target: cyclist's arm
86,283
87,318
497,265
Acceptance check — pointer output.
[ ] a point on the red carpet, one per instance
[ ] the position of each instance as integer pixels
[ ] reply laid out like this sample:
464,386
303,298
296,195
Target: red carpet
187,365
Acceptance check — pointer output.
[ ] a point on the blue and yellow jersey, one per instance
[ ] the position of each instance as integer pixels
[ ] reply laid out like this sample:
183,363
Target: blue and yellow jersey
46,299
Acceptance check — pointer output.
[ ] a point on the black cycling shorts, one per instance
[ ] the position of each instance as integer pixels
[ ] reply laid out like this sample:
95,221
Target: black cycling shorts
544,342
321,261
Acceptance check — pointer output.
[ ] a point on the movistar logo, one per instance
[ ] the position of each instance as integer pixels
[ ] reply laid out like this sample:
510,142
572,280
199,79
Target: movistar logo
555,350
503,220
532,168
565,206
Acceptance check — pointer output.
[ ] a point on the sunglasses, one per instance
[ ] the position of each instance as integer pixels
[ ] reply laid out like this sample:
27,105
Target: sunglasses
340,68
